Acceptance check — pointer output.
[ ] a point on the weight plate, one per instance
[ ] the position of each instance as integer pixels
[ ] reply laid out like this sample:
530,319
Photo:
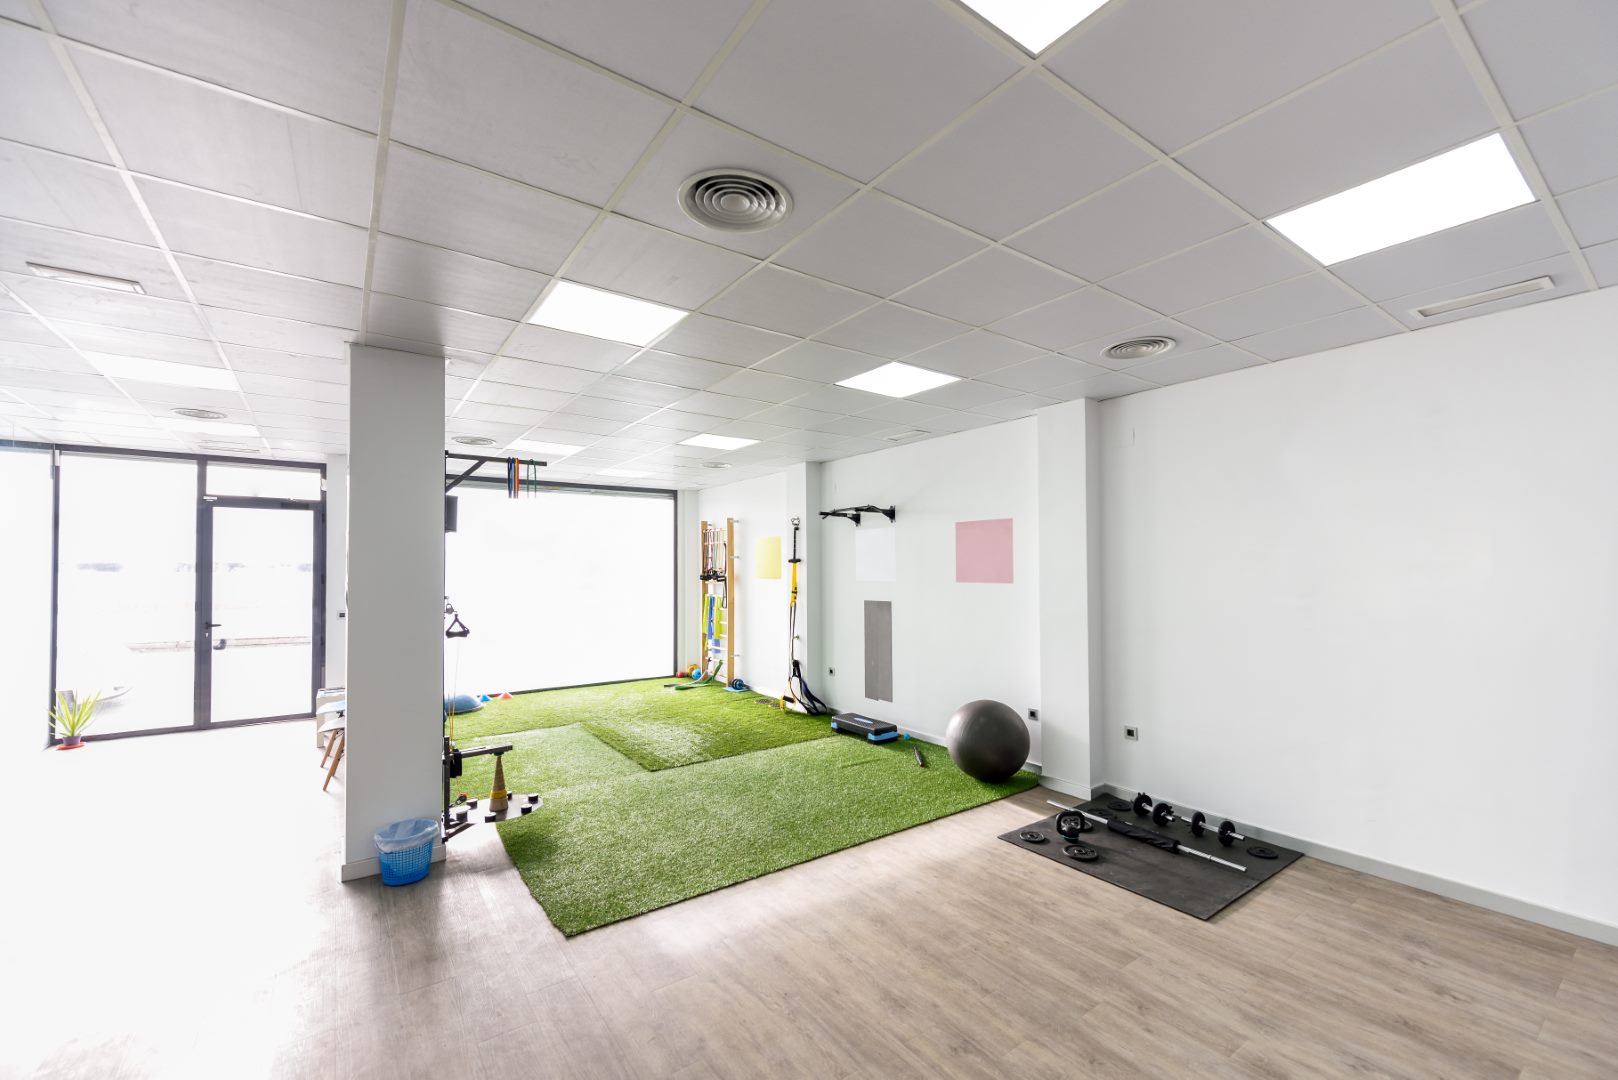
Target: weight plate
1161,813
1081,853
1032,836
1263,852
1198,820
1142,804
1117,804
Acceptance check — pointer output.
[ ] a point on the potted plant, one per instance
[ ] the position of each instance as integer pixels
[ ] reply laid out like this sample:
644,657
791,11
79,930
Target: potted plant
71,716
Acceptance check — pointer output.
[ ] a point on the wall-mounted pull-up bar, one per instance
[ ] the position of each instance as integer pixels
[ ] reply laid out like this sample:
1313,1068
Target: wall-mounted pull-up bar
852,513
478,461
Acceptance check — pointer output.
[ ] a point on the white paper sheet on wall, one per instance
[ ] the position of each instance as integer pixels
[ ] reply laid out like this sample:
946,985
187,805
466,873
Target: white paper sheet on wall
876,556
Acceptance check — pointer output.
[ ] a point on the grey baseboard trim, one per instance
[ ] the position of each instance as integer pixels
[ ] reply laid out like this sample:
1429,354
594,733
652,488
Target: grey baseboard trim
1076,791
364,868
1593,929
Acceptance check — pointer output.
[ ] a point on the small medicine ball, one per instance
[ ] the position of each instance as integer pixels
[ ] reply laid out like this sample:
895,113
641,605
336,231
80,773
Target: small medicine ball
987,740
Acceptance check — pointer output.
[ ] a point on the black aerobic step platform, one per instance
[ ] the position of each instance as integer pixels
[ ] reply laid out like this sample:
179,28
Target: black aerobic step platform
854,724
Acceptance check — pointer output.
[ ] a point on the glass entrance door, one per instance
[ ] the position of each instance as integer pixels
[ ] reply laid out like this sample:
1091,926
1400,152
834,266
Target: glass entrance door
258,636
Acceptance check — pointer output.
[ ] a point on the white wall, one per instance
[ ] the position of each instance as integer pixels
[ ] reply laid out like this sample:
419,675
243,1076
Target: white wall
1348,586
395,595
952,642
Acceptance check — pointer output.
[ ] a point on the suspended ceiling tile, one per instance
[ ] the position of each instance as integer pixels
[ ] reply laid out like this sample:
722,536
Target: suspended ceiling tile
789,302
569,350
1178,367
1565,279
269,332
20,328
1072,319
973,354
22,243
837,400
1142,218
626,256
990,285
618,388
720,340
1511,238
311,55
904,69
727,406
274,403
1094,350
1603,259
1332,332
964,394
686,371
1399,107
438,275
248,359
98,306
120,342
473,92
817,361
762,386
1577,144
1109,384
1544,52
521,397
1029,152
571,380
1175,71
792,416
1041,374
583,425
1592,213
1015,408
673,44
264,292
456,206
698,144
67,193
1297,300
42,108
1236,262
251,149
233,230
878,245
893,331
48,357
397,316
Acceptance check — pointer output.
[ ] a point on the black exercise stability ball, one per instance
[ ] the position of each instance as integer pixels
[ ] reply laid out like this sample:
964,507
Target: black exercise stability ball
987,740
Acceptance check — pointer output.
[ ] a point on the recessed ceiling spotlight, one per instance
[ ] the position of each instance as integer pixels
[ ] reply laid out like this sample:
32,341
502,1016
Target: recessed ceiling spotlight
580,309
1464,184
1140,348
473,440
716,464
549,449
199,414
83,277
734,200
139,369
1034,24
898,380
717,442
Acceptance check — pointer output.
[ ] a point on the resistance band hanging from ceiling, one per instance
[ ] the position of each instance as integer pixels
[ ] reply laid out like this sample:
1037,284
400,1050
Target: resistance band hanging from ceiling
797,694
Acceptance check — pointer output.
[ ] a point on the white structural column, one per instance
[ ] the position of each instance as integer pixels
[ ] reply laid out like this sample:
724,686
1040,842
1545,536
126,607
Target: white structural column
395,595
1069,602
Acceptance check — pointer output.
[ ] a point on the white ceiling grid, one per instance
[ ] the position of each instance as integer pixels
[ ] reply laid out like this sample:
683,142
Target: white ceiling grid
416,174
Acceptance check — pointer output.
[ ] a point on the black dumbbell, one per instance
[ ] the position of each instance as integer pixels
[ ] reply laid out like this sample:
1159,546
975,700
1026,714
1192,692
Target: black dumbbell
1162,813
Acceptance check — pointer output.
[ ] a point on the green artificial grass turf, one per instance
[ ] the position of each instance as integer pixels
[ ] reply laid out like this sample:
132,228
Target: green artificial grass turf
625,829
656,727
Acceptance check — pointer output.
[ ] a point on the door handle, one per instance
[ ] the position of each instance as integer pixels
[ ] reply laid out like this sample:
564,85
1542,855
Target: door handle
211,625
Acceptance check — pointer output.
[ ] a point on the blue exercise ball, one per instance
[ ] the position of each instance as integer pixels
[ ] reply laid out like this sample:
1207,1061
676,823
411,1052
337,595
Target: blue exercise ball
987,740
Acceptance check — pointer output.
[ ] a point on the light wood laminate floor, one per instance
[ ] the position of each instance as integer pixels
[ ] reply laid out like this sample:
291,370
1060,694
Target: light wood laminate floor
174,912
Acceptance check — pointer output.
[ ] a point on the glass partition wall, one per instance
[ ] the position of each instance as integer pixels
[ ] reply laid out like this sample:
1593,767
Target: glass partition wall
187,590
562,586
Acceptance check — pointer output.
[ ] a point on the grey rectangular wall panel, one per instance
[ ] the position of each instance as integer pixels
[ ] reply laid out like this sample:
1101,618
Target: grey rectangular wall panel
879,650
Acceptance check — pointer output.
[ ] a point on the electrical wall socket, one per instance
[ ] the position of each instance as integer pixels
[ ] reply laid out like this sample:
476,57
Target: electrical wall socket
1131,732
1033,714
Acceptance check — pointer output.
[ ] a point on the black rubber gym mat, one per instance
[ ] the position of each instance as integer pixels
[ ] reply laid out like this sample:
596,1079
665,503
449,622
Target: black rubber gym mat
1182,882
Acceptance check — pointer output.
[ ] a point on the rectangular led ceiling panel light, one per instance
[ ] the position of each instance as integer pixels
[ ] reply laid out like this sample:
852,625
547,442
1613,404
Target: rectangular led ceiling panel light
717,442
1034,24
597,313
1467,183
898,380
550,449
140,369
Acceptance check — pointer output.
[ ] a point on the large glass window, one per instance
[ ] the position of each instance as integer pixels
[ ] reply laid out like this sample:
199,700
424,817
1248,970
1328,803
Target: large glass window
559,588
25,632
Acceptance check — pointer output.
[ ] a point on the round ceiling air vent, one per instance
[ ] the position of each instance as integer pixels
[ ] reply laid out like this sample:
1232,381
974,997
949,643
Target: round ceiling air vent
1140,348
474,440
200,414
734,200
